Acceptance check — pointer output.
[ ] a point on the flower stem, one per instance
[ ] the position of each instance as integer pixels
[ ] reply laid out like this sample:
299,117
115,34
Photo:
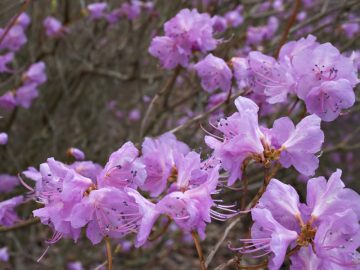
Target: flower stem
108,253
199,250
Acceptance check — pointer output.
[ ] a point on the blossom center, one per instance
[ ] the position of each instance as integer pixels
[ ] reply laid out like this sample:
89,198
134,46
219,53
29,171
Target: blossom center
89,189
306,236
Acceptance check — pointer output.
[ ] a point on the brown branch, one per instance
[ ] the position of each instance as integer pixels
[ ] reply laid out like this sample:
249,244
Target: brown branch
169,84
288,26
161,232
108,253
199,250
20,225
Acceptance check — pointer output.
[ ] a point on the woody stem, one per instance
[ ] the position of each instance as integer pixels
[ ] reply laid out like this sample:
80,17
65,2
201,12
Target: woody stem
199,250
108,253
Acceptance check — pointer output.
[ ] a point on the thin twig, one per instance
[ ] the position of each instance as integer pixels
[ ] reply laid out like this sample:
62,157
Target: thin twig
20,225
108,253
288,26
170,83
199,250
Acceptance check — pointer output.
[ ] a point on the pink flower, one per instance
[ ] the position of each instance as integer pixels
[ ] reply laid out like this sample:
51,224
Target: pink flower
8,182
159,156
298,145
53,27
124,169
97,10
8,216
214,73
3,138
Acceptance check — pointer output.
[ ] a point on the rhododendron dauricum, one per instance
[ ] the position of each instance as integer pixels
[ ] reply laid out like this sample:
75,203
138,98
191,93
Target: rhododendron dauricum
161,178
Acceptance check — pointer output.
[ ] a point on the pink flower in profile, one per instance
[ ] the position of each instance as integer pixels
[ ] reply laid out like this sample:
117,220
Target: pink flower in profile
14,39
3,138
8,216
134,115
8,183
159,156
214,73
53,27
350,29
131,10
298,145
234,17
26,94
4,61
97,10
87,169
4,255
241,138
219,23
76,153
75,266
35,74
23,20
124,169
8,101
192,209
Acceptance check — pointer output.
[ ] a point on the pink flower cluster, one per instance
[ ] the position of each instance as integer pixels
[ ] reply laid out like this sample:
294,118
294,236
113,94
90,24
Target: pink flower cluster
107,202
316,73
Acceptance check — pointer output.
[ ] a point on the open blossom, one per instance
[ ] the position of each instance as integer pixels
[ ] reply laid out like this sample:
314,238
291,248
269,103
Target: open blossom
59,188
243,139
169,52
325,77
106,216
124,169
8,182
192,30
299,145
53,27
265,76
8,216
214,73
326,229
159,156
188,31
